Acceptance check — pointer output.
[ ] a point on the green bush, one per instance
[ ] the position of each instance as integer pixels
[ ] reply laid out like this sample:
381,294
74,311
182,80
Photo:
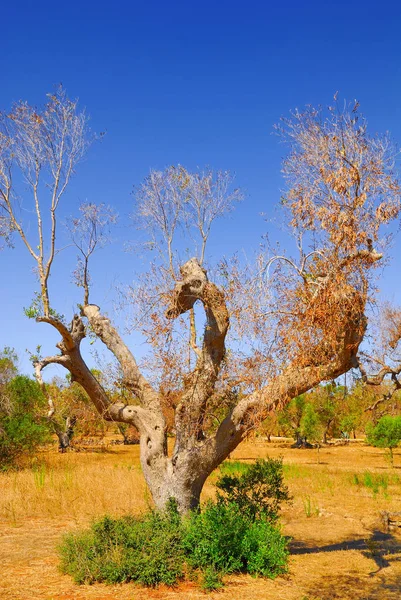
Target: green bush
214,537
224,539
265,550
259,490
22,428
145,549
211,580
234,534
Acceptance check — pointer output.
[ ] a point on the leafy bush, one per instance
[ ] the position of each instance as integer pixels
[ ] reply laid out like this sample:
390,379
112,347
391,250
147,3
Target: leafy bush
21,426
265,550
214,537
211,580
236,533
145,549
225,539
259,490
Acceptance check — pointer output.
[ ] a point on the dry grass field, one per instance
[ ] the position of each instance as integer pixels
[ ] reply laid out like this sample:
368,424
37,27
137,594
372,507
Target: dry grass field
339,549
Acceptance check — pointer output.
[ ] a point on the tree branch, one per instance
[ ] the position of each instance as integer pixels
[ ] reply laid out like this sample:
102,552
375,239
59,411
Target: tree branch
387,396
133,378
68,340
199,384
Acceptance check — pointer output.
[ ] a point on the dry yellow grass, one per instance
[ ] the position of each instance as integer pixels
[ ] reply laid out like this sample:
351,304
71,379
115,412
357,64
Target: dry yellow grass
337,549
75,486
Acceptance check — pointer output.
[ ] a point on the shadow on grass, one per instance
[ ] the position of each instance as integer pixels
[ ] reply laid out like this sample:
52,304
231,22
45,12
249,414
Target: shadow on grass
383,548
347,587
380,547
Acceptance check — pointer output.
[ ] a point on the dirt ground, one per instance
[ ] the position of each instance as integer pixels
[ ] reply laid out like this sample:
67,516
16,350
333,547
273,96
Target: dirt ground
339,547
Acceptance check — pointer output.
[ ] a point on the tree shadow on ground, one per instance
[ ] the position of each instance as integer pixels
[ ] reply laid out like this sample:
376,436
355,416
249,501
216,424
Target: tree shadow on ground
378,546
383,548
345,587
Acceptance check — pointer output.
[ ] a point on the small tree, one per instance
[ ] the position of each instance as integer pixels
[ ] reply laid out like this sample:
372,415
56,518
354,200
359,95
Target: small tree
290,417
386,434
311,428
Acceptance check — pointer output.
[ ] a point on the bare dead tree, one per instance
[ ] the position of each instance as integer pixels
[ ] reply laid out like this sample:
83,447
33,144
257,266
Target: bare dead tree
294,322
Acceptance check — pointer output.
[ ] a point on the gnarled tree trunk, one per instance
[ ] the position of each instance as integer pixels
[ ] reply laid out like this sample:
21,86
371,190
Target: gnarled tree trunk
196,453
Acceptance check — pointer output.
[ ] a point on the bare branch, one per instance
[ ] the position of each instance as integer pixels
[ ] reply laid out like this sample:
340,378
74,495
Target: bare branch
133,378
89,232
41,145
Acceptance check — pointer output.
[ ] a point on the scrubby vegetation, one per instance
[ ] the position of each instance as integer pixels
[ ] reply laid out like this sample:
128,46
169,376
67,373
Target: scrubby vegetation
237,532
22,426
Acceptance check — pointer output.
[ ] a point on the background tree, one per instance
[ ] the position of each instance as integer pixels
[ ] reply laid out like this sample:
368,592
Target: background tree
8,366
293,322
351,416
385,434
290,418
311,428
8,370
22,424
72,414
270,426
328,401
380,366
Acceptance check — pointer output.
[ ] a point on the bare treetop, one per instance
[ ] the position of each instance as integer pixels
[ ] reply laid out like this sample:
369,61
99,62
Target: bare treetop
175,200
43,147
89,232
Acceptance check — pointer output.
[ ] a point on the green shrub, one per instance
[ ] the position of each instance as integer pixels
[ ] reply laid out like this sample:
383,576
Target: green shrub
22,428
259,490
265,549
214,537
224,539
145,549
211,580
234,534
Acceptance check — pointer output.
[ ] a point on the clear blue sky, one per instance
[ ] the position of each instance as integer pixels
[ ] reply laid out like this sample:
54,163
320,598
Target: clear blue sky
194,83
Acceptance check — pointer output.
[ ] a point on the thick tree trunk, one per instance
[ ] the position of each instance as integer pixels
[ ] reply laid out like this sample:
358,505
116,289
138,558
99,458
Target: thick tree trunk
167,481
